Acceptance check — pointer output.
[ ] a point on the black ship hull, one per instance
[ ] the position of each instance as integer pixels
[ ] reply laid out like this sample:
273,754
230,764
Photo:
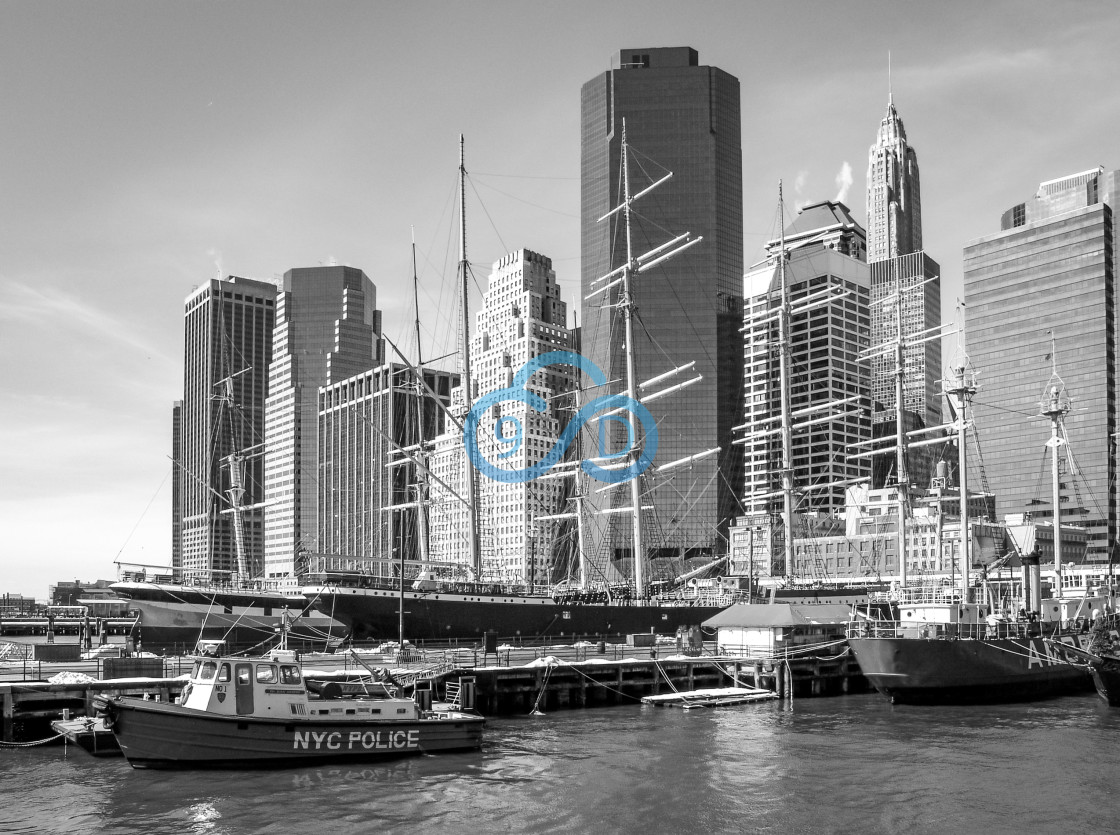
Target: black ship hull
373,614
966,670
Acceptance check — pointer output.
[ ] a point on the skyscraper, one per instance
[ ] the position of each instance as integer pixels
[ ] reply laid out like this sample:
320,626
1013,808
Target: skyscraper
328,328
1050,272
227,349
894,251
522,317
681,117
825,249
894,200
367,520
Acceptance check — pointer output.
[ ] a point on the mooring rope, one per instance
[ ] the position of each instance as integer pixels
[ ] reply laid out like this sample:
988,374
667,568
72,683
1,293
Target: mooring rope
30,744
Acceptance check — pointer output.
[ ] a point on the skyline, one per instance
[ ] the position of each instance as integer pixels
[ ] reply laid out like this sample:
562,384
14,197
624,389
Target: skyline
149,146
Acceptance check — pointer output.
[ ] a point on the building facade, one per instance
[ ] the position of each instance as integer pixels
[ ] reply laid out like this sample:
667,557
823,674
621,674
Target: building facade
681,117
900,266
522,317
894,199
825,248
1050,272
368,489
219,424
328,328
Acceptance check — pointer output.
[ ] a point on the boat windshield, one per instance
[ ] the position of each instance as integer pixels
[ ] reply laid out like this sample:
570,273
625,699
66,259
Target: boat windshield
289,674
205,670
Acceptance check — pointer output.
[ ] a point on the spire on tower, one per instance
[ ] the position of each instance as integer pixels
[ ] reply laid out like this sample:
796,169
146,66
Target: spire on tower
890,87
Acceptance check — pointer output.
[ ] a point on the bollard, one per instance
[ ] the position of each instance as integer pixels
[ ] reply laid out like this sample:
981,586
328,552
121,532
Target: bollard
468,692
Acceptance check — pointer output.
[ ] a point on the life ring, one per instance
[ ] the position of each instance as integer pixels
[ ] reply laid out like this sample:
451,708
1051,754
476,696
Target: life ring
186,692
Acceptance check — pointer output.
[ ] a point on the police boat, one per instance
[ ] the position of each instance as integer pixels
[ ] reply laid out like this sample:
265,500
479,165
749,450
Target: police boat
245,712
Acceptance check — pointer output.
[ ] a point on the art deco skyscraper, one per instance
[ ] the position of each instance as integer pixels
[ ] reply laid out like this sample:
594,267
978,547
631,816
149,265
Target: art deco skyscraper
228,337
894,251
1051,270
328,328
681,117
894,201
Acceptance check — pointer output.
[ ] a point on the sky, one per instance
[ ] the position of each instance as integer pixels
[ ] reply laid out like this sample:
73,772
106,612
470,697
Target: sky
146,147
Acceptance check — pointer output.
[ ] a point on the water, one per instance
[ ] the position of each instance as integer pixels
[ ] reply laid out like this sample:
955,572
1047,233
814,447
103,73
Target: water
846,764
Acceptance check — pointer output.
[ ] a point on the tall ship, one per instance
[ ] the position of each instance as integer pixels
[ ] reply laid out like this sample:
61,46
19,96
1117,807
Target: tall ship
430,598
986,640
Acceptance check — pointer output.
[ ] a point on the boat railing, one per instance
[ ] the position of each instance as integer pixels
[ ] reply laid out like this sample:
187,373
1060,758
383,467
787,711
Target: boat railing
870,628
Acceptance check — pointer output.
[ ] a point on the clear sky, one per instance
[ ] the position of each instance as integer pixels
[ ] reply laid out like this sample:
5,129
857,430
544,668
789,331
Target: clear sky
147,146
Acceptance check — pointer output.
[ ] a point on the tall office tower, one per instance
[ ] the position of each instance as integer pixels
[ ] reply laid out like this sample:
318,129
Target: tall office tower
367,488
826,249
684,118
328,328
522,317
1050,270
894,251
228,347
894,203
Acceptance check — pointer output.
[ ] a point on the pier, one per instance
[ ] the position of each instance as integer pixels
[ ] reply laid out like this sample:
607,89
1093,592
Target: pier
514,680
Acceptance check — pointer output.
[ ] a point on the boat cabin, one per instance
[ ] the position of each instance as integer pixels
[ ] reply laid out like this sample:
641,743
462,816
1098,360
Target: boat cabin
274,687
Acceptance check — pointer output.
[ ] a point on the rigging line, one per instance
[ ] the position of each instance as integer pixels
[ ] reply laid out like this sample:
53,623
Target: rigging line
487,213
530,202
144,512
521,176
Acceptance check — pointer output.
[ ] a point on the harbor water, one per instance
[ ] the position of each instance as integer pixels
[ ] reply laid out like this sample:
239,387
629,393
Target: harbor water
844,764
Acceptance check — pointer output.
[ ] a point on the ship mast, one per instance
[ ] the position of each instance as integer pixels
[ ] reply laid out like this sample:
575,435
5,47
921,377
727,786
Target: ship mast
626,301
784,361
633,266
465,363
964,387
1055,404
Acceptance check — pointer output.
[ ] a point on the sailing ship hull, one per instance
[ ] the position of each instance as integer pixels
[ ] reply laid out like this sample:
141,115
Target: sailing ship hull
173,618
429,616
966,671
159,735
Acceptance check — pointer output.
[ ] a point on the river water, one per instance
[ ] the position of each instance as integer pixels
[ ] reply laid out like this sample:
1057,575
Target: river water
844,764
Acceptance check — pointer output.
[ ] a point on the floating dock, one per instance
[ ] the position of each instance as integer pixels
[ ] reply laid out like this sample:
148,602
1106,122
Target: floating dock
90,735
718,697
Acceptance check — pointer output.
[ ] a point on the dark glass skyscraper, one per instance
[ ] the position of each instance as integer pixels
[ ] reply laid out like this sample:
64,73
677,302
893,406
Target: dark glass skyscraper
1051,270
685,118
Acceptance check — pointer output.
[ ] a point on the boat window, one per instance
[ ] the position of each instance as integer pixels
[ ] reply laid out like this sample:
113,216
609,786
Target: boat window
208,670
223,674
266,674
244,674
289,674
194,672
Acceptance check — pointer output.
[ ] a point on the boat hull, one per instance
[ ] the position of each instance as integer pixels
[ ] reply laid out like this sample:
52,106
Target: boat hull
967,670
174,618
159,735
374,614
